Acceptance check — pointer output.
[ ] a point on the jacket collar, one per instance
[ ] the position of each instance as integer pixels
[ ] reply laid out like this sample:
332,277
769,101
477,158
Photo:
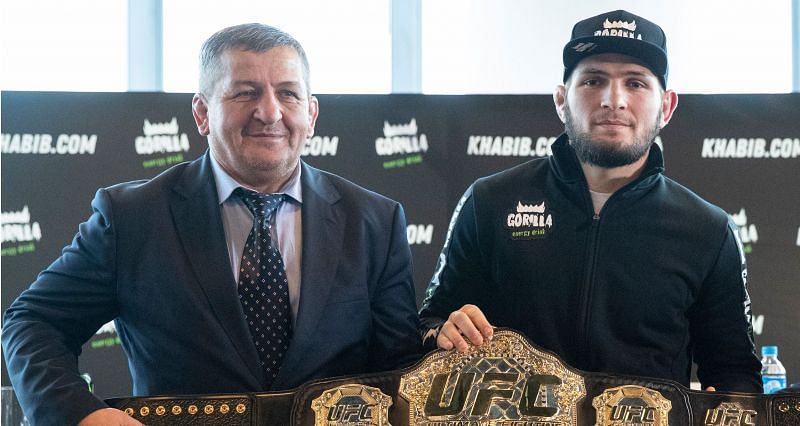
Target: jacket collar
567,167
324,224
197,217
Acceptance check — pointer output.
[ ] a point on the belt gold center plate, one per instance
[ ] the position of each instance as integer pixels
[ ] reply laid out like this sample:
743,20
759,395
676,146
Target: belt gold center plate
504,381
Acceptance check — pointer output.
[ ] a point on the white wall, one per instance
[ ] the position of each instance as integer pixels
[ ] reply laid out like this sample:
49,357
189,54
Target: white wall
514,46
468,46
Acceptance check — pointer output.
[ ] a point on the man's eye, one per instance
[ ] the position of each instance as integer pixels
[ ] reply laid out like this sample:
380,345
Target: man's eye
246,94
591,82
636,84
289,93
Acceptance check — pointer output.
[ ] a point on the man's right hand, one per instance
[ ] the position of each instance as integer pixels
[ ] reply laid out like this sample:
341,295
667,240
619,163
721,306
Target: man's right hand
109,416
467,322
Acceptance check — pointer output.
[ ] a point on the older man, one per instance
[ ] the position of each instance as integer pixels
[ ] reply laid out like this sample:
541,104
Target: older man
245,270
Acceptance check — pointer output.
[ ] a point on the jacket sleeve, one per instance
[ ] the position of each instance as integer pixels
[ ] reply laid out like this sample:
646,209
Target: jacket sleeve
45,327
721,324
393,304
461,271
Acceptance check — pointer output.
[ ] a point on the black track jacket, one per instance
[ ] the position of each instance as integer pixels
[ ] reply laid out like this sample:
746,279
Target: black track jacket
655,281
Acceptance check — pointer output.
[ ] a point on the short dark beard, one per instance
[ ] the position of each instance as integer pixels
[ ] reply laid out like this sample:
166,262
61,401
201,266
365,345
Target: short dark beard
596,154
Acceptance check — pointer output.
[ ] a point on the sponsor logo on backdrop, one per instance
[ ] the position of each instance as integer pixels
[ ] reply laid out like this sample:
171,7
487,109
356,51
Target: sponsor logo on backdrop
516,146
748,233
20,234
751,148
403,142
509,146
419,234
529,220
105,337
160,139
44,143
321,146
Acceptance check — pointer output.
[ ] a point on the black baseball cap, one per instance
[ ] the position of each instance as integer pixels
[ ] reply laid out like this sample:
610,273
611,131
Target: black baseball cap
618,32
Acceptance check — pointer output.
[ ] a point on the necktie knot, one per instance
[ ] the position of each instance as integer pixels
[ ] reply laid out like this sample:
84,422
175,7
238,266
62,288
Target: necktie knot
260,205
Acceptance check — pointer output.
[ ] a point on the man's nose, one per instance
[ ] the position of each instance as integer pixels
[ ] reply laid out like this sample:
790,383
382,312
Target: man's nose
614,96
268,109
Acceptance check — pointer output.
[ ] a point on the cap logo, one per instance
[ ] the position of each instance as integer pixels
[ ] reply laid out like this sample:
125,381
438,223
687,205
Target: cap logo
583,47
617,33
630,26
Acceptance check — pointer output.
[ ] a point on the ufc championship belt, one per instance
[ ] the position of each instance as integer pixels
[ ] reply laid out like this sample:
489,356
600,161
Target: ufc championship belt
507,381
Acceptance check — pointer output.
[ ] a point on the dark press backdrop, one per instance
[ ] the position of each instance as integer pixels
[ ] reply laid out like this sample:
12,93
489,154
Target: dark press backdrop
741,152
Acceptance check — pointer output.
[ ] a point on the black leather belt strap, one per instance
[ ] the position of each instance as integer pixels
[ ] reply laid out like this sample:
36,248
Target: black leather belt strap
507,382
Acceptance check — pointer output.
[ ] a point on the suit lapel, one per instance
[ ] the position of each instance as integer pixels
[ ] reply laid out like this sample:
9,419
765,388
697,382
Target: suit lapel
323,234
196,213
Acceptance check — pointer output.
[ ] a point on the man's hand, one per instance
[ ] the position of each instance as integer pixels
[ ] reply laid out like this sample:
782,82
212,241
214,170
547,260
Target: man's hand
467,322
109,416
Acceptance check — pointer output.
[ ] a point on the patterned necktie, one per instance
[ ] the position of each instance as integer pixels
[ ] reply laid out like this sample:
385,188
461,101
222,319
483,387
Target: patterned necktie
263,288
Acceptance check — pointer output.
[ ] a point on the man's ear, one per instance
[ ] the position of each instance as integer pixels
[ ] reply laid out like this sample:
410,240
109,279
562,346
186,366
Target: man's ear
313,113
560,101
200,113
668,104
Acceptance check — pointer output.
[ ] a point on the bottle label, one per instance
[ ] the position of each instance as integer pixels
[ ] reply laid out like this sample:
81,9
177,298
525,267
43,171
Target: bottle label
773,384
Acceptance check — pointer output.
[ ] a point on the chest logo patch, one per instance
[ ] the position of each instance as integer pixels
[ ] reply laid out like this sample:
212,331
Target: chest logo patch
529,220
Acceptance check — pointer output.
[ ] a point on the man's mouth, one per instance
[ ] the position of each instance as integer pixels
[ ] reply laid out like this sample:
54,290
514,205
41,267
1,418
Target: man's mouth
263,134
612,122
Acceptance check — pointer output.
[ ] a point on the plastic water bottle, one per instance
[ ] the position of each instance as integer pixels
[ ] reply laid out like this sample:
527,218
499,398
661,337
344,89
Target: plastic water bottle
773,374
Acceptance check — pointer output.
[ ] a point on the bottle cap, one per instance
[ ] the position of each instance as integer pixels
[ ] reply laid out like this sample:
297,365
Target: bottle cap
769,351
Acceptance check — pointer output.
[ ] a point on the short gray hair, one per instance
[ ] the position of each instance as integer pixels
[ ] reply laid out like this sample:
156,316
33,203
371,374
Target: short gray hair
249,37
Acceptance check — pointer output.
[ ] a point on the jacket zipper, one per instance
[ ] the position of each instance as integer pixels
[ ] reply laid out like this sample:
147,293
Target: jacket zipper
584,336
591,261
